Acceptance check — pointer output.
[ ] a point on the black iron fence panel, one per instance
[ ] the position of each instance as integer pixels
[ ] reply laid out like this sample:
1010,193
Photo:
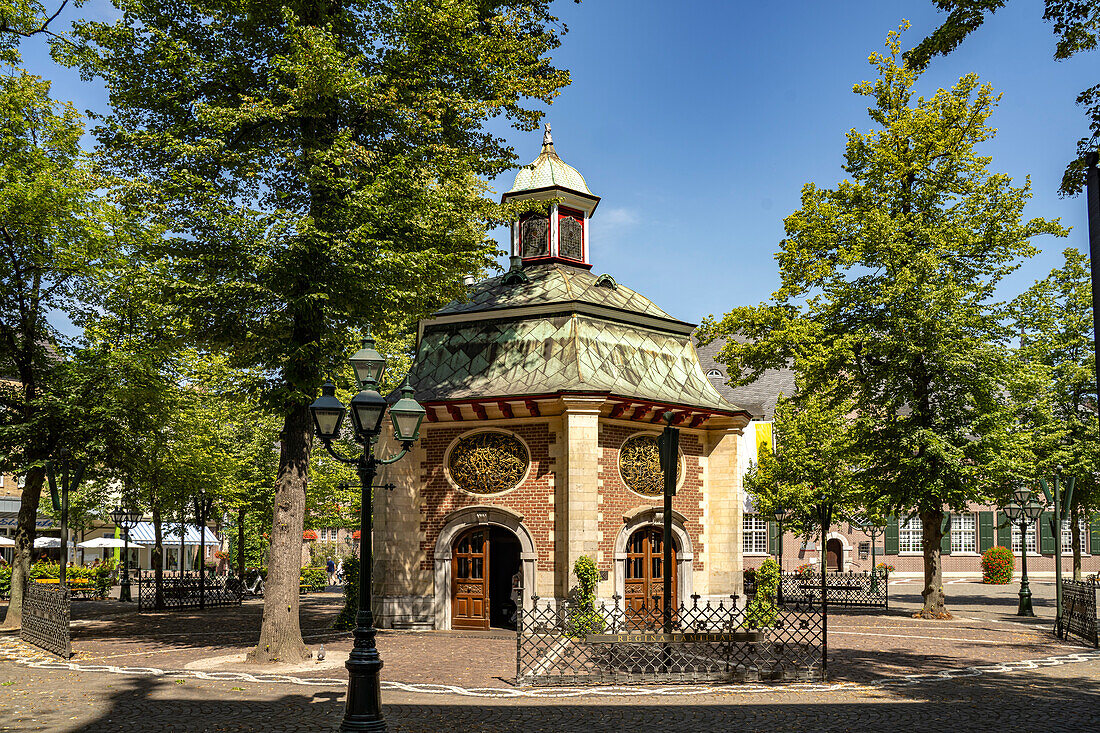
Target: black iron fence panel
569,644
1079,610
46,618
846,590
181,593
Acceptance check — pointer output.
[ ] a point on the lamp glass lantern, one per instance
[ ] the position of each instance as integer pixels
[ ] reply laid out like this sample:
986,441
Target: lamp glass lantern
1032,510
368,364
781,514
1014,511
328,412
1021,495
368,408
407,415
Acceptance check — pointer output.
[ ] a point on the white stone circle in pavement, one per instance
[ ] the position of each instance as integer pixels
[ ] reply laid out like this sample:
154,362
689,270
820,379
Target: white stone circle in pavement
14,650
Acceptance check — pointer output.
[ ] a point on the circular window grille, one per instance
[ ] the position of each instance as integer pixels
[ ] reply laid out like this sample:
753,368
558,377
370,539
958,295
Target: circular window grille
488,463
640,465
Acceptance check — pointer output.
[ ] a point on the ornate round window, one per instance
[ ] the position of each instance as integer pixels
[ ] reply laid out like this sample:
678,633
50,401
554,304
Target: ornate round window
488,462
640,465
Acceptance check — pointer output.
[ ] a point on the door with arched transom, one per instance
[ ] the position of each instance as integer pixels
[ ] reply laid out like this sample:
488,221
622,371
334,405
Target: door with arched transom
645,572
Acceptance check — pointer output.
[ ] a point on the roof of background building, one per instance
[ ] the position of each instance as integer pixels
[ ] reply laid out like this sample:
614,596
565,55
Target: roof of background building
760,397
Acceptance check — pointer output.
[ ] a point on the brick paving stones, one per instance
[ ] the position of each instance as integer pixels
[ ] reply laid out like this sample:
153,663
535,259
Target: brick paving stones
863,647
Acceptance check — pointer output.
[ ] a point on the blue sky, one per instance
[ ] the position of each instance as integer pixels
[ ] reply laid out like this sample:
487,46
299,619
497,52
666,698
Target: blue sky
699,122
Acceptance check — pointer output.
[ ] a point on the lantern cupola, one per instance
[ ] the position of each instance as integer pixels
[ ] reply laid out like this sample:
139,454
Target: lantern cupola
558,231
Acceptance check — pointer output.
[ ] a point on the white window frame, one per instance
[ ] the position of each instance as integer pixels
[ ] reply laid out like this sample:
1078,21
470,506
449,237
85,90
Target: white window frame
712,373
959,531
1032,538
1067,538
754,528
910,536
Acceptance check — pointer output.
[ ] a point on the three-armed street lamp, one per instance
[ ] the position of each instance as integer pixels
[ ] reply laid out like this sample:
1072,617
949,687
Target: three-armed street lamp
1023,509
363,710
125,519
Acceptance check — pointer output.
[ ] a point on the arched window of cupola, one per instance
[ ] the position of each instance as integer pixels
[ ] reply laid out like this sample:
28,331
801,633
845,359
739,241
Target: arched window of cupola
534,236
571,234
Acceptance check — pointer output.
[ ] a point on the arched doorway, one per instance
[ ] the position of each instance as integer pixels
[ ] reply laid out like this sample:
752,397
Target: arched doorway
484,562
645,572
834,555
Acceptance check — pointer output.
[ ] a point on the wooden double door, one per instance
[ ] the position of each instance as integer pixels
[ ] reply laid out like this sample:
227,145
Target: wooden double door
645,573
484,563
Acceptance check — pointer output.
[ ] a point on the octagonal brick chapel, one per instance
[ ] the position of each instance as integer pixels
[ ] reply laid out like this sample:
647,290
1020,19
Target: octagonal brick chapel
545,391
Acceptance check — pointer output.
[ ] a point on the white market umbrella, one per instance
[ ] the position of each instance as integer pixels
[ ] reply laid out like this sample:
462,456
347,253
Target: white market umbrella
6,541
102,542
45,543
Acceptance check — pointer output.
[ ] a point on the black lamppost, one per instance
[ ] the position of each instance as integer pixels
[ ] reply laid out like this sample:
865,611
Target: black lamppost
363,709
125,519
1025,510
780,514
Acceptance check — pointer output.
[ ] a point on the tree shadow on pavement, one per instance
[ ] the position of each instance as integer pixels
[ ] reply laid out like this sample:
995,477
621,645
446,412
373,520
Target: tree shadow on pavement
990,702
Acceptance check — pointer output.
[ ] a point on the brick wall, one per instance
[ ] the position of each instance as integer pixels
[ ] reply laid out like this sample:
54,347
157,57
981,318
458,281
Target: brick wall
533,499
615,499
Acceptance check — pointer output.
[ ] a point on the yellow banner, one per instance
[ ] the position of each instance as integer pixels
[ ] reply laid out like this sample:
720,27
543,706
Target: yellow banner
763,438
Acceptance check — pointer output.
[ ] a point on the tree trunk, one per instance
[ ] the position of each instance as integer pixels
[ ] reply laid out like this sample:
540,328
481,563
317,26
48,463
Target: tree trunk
281,633
1075,531
158,560
935,604
24,546
240,543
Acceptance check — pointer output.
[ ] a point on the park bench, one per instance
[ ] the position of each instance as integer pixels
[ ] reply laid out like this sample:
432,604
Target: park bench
83,586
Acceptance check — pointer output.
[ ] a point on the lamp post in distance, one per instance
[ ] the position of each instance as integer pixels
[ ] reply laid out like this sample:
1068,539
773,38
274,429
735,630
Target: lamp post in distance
1023,509
125,519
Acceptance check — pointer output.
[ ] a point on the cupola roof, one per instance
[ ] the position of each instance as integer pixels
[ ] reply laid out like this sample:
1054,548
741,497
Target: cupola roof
549,171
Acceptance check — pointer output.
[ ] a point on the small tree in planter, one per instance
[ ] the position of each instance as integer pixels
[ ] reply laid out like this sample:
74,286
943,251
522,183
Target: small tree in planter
346,619
997,565
761,610
585,619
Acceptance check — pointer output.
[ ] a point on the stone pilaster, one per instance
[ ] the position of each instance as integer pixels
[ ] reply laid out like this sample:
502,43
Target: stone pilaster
581,429
723,526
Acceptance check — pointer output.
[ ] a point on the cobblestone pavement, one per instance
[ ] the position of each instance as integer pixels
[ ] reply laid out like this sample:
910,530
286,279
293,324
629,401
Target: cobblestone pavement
864,648
1050,699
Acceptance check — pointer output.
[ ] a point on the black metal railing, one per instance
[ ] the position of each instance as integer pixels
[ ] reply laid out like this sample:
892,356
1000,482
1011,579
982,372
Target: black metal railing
569,644
45,620
846,590
180,593
1079,611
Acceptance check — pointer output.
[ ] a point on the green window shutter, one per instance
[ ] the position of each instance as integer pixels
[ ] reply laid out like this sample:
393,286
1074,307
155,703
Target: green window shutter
985,531
945,541
1046,536
1004,530
1094,535
773,539
890,538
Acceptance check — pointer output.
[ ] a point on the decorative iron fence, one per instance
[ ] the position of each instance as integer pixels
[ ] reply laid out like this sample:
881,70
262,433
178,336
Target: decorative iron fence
572,645
178,594
46,619
1079,610
846,590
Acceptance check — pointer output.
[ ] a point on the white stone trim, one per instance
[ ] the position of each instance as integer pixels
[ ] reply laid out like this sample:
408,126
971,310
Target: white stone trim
474,516
685,556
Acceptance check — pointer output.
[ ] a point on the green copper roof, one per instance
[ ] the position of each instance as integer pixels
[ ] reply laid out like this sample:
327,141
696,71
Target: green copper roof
554,282
548,170
559,353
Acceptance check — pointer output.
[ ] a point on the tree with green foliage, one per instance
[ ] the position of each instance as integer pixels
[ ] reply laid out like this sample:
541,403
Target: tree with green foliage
1054,321
321,167
815,461
57,230
1076,26
887,297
